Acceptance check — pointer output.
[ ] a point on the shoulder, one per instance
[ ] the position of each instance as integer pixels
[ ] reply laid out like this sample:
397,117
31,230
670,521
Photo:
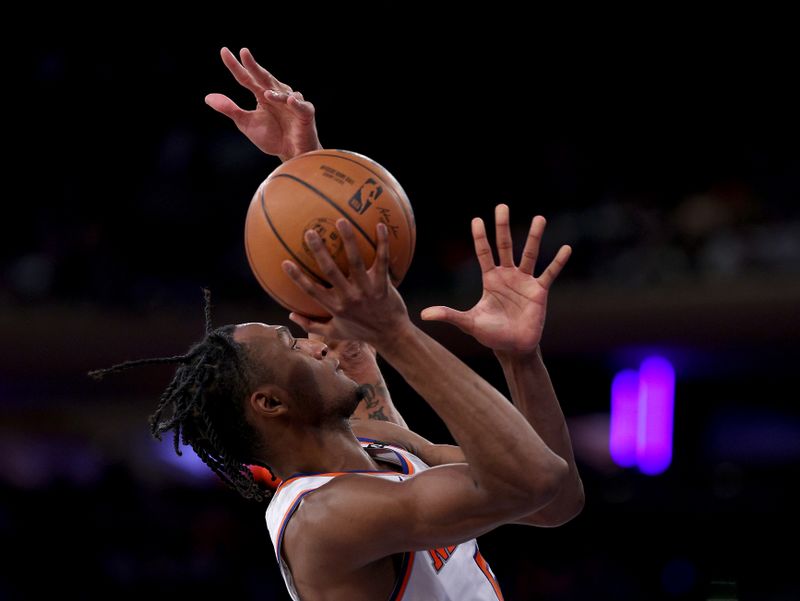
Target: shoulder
334,524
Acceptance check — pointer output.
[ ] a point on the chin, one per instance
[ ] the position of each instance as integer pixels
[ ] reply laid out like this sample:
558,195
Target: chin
359,393
346,377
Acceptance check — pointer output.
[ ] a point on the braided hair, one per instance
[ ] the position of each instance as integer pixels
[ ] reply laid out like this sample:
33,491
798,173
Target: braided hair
204,405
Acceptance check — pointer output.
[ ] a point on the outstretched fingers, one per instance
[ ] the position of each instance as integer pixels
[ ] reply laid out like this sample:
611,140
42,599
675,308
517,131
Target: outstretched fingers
505,247
482,249
358,285
358,272
263,77
531,251
330,270
549,275
381,265
240,74
302,281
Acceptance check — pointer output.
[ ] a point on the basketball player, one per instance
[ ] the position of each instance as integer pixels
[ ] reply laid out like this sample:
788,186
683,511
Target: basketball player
355,519
283,125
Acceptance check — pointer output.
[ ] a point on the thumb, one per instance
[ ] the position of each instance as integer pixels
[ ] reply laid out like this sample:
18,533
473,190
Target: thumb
224,105
460,319
312,326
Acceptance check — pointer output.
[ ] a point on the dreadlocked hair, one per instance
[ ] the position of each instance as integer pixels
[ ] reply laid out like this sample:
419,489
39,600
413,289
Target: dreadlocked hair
204,406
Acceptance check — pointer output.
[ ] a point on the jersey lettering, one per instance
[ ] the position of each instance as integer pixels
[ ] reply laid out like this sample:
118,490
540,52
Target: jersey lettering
440,556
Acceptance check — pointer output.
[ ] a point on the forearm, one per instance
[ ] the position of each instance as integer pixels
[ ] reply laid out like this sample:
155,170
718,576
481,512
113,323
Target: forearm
533,394
504,452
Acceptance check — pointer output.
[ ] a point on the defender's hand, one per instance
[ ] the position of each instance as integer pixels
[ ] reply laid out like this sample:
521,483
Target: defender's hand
509,317
282,124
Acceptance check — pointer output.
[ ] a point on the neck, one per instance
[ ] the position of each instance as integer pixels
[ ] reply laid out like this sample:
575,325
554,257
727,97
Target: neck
312,450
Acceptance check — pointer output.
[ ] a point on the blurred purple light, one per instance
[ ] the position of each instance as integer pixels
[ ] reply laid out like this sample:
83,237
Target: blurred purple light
624,409
188,463
642,411
656,412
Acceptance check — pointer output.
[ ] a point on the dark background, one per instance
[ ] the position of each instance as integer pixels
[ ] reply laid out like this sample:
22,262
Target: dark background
662,148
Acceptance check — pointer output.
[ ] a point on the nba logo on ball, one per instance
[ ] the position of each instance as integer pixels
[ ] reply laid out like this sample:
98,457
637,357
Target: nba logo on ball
313,191
364,196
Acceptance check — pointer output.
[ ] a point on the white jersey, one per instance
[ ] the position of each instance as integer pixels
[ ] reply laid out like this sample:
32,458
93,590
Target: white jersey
454,573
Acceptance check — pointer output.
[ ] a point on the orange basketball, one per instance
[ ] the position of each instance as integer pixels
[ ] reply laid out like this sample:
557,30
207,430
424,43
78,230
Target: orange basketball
313,191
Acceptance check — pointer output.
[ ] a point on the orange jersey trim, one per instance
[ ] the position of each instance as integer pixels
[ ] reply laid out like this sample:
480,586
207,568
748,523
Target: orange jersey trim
484,567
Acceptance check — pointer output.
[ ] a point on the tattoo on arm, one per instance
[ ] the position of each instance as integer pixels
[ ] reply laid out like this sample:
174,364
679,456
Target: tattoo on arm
370,398
377,404
378,415
380,390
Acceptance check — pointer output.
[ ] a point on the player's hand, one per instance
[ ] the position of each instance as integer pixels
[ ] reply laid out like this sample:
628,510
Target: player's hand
357,359
364,305
282,124
509,317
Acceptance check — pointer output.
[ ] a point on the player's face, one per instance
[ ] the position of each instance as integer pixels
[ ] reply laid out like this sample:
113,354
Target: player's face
304,368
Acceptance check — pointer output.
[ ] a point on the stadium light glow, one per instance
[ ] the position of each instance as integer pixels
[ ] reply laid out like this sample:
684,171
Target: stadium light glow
642,416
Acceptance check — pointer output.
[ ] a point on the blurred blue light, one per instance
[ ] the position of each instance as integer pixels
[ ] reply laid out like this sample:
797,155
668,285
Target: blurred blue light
679,577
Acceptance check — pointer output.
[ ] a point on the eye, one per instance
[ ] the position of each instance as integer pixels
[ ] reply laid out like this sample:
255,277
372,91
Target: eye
294,344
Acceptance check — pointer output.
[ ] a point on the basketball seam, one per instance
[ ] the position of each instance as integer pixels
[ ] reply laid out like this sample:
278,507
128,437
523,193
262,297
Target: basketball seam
261,281
310,272
333,204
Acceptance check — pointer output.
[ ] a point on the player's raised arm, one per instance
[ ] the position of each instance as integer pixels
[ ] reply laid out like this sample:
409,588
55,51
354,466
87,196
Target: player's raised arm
509,473
282,123
508,319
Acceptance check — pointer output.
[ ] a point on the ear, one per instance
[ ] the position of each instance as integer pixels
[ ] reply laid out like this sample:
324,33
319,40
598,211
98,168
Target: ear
269,401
